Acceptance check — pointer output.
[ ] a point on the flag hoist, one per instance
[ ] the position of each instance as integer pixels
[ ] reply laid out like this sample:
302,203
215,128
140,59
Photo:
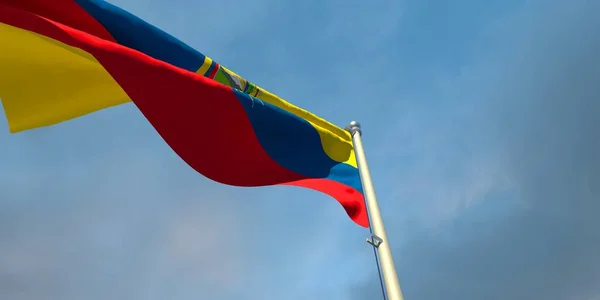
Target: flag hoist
378,239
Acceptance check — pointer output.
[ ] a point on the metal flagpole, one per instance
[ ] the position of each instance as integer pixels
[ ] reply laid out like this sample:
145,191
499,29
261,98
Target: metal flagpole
378,238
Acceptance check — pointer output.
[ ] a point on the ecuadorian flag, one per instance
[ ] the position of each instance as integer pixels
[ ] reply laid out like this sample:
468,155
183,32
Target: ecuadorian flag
61,59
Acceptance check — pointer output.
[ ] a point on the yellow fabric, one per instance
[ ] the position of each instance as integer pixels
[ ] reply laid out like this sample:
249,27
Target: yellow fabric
337,142
48,80
45,82
205,65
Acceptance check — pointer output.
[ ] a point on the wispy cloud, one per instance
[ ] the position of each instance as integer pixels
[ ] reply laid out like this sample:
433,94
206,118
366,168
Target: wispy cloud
523,147
100,207
479,125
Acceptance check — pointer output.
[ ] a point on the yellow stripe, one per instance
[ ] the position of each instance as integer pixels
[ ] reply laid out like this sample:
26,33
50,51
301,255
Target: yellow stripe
44,82
337,142
205,65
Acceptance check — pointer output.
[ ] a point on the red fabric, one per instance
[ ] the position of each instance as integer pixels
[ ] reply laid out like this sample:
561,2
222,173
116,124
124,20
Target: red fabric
202,120
65,12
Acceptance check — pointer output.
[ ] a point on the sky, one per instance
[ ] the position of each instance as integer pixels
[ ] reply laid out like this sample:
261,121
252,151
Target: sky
479,121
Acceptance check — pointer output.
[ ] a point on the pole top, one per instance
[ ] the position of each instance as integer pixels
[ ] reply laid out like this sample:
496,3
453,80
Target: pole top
354,127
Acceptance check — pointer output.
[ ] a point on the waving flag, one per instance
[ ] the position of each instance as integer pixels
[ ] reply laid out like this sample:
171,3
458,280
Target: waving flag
62,59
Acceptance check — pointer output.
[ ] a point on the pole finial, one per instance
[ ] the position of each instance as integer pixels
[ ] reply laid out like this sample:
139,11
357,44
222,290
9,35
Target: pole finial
354,127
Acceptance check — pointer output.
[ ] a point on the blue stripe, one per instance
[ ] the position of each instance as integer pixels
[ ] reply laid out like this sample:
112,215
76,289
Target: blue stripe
294,143
346,174
133,32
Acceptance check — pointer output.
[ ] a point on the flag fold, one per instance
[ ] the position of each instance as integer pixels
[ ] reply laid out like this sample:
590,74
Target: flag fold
62,59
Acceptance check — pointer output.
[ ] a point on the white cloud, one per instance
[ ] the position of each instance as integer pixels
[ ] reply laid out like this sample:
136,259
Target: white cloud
204,242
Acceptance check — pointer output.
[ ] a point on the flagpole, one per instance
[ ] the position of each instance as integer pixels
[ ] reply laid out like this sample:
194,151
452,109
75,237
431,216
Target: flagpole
379,238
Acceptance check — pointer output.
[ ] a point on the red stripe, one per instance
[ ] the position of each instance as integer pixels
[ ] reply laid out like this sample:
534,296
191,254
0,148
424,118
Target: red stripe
213,137
66,12
214,70
352,200
202,120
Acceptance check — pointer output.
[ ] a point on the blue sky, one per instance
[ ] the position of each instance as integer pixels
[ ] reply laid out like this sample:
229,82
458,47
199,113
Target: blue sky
479,122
